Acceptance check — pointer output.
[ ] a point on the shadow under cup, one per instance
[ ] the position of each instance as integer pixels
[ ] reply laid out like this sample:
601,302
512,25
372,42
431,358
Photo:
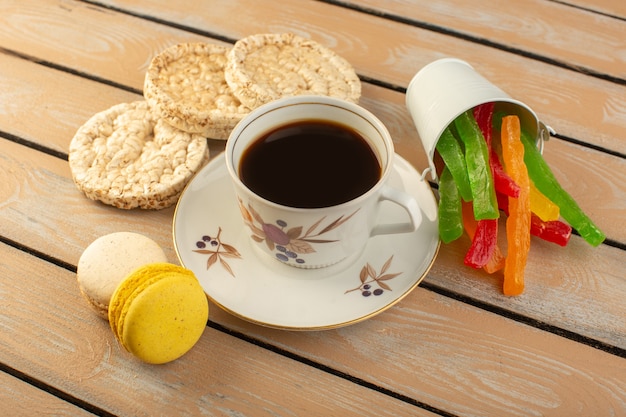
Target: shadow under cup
312,237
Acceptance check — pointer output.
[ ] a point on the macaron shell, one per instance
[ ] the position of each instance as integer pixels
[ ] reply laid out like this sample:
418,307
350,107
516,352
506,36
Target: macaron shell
108,260
166,318
126,298
131,286
101,309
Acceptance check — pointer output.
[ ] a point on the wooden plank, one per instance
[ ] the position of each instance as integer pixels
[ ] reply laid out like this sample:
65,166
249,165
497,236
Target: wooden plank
457,359
51,334
21,399
33,99
31,177
116,43
36,105
439,351
587,174
576,105
577,39
616,9
549,270
418,329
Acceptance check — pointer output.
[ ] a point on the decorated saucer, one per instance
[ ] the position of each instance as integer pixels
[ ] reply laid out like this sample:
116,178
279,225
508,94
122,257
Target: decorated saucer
210,239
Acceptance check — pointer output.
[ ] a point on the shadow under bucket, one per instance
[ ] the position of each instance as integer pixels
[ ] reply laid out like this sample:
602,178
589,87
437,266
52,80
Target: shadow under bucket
446,88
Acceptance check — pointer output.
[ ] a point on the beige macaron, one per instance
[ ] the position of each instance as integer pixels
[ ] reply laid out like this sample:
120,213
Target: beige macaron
108,260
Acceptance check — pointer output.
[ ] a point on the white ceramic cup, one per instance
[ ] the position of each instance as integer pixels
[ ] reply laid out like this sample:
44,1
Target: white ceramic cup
317,237
448,87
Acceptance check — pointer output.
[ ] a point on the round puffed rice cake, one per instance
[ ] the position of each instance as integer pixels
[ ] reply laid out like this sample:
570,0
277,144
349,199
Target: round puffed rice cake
128,158
265,67
185,86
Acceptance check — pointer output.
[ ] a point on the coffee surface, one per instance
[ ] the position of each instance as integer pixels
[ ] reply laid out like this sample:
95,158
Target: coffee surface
310,164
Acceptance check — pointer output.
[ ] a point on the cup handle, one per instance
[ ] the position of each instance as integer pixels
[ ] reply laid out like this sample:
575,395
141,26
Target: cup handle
405,201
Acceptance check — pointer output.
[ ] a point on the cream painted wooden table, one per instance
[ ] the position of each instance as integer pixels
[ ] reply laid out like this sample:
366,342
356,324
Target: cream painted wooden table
455,346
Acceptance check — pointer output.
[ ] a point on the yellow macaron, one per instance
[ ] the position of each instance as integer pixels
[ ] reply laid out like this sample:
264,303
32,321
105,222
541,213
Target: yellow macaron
159,312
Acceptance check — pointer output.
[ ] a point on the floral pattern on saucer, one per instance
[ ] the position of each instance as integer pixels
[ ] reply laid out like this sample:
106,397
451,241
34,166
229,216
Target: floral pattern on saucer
217,250
289,243
369,277
276,294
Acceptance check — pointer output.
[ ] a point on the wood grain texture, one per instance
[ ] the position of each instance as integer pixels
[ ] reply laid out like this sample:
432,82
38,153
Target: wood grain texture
470,355
460,357
64,344
110,41
558,284
28,221
582,102
616,9
613,109
530,26
17,398
33,99
452,347
587,174
578,106
31,176
455,323
574,104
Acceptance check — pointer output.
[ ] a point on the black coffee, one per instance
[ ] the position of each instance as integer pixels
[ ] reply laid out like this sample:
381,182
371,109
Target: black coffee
310,164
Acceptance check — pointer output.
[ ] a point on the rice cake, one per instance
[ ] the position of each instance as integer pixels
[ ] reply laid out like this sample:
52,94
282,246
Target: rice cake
126,157
265,67
185,86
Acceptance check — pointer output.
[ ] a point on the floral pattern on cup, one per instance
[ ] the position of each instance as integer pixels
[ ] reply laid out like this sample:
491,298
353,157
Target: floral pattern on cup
370,278
217,250
289,243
